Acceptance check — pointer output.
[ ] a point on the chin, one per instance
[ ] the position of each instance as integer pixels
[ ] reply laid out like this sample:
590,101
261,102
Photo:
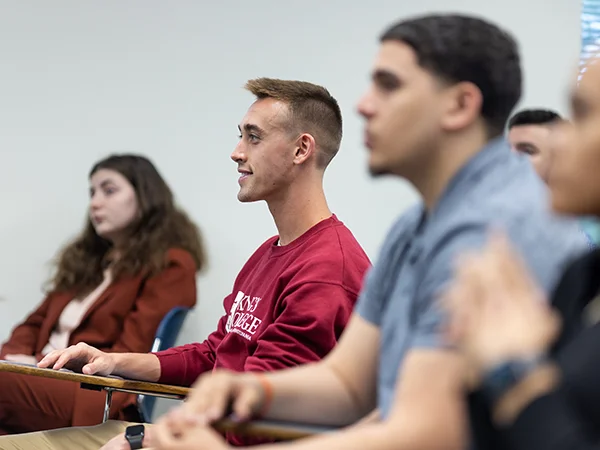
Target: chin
378,170
102,232
105,232
246,198
379,164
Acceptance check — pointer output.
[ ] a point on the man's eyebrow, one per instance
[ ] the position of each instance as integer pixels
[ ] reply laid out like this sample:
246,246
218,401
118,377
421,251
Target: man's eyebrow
385,76
251,128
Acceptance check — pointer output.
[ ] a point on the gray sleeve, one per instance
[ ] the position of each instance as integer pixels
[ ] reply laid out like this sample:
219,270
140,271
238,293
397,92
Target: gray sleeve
370,301
545,250
427,317
548,249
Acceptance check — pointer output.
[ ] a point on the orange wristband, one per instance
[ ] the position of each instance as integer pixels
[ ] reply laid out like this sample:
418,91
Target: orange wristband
268,394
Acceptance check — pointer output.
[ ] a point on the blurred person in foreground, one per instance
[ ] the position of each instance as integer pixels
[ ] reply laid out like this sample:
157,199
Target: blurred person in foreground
532,365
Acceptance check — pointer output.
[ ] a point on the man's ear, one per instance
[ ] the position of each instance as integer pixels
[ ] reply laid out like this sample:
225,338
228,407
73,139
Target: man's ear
305,148
464,103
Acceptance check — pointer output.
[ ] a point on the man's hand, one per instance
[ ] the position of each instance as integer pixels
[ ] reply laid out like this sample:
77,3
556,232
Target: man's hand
80,357
217,394
173,433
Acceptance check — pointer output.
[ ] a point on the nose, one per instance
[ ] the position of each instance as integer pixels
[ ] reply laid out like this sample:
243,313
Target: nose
239,154
366,105
95,201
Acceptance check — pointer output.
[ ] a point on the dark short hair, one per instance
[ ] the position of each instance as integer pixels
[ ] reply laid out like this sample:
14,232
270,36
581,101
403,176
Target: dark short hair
534,117
312,109
459,48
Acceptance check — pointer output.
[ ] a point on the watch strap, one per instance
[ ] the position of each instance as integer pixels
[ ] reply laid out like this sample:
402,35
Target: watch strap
136,441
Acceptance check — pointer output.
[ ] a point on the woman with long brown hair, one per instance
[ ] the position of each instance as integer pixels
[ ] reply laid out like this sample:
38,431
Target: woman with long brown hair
135,260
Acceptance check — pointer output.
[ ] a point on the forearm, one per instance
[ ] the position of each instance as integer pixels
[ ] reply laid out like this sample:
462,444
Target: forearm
374,437
313,393
427,429
137,366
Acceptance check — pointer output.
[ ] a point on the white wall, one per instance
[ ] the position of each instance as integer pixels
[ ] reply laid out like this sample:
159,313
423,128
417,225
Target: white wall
80,79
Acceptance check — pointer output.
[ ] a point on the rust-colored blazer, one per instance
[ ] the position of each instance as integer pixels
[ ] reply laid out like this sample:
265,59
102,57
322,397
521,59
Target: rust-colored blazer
123,319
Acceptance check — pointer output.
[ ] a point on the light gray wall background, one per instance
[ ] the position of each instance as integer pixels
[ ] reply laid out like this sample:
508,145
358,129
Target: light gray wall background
80,79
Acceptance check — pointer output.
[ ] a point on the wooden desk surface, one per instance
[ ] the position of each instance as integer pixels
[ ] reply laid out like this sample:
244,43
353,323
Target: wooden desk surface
110,381
258,428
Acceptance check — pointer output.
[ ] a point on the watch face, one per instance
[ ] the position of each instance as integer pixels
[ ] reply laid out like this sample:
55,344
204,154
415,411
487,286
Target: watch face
134,430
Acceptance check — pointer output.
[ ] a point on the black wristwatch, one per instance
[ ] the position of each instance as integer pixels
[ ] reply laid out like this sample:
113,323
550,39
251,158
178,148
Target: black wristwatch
135,436
499,380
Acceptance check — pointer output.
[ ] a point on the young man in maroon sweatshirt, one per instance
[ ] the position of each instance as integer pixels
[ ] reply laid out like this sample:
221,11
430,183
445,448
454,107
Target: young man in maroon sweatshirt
294,296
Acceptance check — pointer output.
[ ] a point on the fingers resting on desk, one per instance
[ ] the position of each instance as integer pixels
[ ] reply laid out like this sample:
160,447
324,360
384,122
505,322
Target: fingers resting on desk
80,357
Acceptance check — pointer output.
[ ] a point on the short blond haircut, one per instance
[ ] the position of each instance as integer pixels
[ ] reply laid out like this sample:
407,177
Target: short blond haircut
312,110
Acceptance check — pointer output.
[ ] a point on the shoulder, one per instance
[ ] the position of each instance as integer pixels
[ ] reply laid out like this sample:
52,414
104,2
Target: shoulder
177,257
338,242
332,256
334,243
516,203
546,241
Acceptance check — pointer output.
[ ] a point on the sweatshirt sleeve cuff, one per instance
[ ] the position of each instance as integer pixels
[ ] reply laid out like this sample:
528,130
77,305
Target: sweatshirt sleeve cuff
171,369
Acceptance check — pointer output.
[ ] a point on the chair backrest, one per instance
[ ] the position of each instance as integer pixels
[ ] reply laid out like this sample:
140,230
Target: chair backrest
169,328
165,338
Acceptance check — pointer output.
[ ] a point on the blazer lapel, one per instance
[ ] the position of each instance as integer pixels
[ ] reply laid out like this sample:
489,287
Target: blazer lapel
108,293
59,302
